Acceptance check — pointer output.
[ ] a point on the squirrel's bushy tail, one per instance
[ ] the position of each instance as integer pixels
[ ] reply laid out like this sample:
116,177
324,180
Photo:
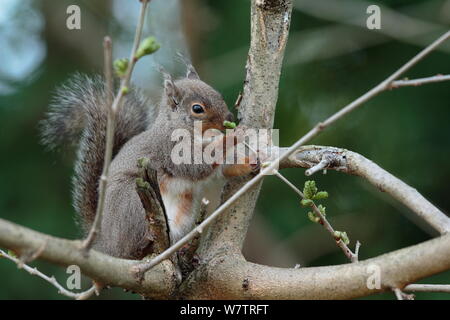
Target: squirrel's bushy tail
78,115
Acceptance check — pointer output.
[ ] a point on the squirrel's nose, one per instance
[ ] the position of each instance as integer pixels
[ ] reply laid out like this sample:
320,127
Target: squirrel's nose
229,117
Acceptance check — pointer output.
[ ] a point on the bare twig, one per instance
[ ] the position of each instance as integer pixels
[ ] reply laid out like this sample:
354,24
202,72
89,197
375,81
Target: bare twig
419,82
112,113
380,87
35,272
400,295
353,257
427,288
357,247
107,69
322,165
110,127
308,136
238,100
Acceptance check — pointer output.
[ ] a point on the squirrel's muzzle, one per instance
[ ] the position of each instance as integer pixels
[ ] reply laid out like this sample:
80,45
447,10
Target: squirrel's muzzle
229,117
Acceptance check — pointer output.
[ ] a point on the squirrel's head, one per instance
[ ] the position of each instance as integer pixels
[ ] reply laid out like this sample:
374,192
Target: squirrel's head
190,99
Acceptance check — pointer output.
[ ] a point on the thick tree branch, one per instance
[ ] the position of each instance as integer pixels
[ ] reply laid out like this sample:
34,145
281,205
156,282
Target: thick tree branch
107,270
226,274
354,163
222,276
270,21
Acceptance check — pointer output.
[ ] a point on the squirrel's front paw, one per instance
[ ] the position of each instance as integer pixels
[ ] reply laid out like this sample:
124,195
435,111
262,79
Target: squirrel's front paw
242,169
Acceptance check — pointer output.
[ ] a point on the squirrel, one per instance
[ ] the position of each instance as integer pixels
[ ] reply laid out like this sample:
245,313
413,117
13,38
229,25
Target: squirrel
78,114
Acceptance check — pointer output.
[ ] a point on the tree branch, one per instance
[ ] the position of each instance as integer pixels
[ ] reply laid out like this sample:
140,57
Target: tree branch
104,269
419,82
226,274
445,288
354,163
270,21
227,271
384,85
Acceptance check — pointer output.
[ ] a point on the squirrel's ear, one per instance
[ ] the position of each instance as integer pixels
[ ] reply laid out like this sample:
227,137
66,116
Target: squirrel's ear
192,73
172,93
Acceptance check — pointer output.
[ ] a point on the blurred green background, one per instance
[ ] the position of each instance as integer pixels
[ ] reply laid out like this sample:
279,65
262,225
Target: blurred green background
331,59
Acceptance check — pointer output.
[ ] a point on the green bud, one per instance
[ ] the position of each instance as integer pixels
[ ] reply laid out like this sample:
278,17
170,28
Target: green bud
148,46
306,202
313,217
265,164
342,235
12,253
322,209
310,189
125,90
320,195
121,66
229,124
143,163
142,184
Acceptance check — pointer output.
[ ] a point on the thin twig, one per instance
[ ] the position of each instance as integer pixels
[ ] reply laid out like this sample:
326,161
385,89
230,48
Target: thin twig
400,295
35,272
427,288
108,70
419,82
322,165
238,100
274,164
110,127
383,85
357,247
353,257
111,122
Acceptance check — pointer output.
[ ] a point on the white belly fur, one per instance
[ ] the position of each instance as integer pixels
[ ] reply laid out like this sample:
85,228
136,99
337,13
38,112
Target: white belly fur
208,188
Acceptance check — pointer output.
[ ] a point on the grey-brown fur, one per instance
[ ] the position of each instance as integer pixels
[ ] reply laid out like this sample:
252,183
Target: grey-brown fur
78,115
81,106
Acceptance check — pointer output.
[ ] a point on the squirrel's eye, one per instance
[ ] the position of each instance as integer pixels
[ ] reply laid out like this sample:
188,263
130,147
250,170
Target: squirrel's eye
196,108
